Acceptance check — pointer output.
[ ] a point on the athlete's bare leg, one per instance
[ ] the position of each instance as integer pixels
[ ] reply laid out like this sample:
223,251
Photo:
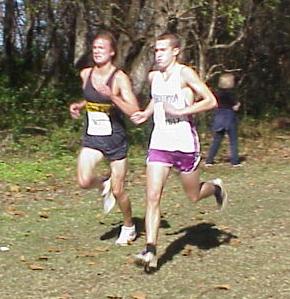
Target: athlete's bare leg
87,160
194,189
197,190
118,173
156,177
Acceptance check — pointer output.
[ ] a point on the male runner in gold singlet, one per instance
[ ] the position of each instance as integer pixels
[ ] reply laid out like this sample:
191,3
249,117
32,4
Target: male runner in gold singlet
108,94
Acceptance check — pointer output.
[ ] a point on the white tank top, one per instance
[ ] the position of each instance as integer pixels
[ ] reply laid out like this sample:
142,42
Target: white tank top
171,133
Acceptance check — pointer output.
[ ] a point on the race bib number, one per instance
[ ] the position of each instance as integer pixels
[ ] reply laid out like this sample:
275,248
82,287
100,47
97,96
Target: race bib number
159,115
164,120
99,124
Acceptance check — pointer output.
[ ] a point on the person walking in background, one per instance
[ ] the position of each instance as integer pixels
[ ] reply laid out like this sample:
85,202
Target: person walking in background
225,120
107,96
174,140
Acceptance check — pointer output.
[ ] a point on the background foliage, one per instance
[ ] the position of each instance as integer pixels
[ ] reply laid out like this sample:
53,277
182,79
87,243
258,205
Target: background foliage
45,43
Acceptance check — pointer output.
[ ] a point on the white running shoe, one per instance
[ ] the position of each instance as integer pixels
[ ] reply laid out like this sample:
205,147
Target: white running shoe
109,202
221,194
208,164
128,234
109,199
106,186
147,259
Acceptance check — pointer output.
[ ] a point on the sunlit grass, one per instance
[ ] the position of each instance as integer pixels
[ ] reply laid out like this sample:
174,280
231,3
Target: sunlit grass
19,171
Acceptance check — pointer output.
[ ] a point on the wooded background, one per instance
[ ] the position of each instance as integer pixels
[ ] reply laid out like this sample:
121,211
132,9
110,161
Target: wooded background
44,43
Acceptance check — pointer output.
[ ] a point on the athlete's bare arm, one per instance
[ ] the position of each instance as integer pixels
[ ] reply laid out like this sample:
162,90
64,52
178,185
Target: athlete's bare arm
75,108
141,116
207,100
122,94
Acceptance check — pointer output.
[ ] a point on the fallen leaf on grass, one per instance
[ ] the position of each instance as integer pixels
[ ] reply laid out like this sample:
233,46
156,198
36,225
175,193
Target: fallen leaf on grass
130,260
187,250
225,228
30,189
62,238
18,213
52,249
138,295
235,242
35,267
93,253
43,257
12,211
14,188
87,254
49,198
22,258
43,215
37,197
223,287
102,249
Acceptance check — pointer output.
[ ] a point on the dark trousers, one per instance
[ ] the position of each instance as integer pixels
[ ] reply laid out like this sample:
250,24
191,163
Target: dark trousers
231,131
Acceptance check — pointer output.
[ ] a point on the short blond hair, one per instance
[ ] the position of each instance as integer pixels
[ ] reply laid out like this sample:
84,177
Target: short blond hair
226,81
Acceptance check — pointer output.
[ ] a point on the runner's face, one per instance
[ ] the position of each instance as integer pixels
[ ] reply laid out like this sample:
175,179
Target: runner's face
165,55
102,51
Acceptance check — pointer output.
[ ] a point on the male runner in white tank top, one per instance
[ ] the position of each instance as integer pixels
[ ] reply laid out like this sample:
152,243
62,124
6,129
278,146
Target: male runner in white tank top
174,141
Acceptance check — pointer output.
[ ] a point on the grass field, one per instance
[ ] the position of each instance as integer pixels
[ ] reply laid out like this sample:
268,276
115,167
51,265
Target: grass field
57,244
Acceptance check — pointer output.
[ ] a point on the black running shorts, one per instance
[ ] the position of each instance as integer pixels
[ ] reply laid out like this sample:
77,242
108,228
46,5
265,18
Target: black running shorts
114,147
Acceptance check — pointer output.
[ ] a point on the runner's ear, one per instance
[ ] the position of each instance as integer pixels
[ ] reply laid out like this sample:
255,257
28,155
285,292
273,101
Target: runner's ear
176,51
112,54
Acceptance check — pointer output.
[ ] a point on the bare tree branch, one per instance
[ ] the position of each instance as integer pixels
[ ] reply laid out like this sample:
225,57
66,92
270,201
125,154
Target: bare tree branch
212,22
232,43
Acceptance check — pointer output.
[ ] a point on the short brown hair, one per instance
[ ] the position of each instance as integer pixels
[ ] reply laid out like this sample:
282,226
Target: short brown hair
108,35
173,38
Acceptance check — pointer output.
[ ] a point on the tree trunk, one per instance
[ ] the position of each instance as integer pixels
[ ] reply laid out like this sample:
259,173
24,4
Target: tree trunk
129,36
144,61
9,39
29,34
80,50
50,67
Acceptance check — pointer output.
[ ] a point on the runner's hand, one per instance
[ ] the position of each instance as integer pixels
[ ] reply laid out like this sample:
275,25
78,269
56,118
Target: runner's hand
139,117
170,109
104,89
74,110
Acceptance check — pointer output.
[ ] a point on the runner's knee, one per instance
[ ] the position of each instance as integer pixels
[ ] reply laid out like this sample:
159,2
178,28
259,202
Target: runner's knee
153,198
84,183
118,191
118,186
194,198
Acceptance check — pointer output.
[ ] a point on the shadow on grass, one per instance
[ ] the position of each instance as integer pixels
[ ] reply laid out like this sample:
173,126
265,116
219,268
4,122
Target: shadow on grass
140,227
205,236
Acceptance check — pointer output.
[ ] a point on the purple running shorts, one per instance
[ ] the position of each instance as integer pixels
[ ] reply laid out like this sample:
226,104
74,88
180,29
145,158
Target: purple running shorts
184,162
